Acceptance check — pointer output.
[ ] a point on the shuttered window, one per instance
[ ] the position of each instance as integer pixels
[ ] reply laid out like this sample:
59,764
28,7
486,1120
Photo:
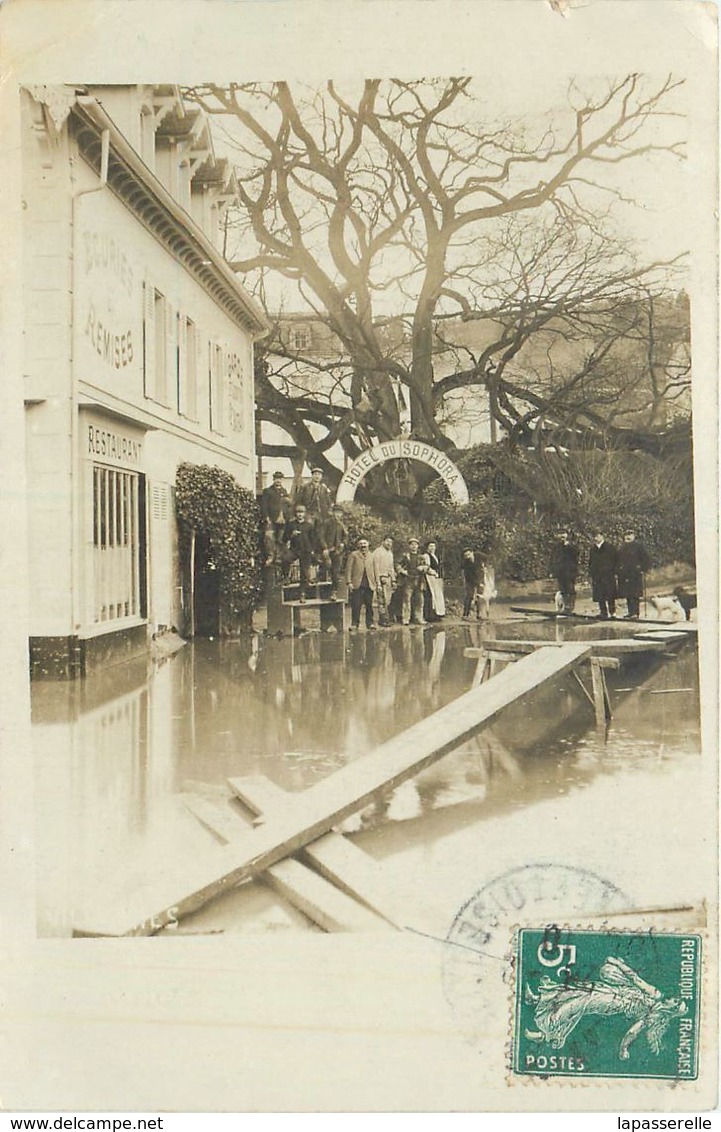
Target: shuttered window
218,407
117,544
189,366
160,348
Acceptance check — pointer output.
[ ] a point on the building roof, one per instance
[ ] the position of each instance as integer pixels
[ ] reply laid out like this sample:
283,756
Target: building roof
145,195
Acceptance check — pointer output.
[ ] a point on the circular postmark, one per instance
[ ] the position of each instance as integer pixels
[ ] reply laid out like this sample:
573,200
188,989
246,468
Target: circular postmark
477,964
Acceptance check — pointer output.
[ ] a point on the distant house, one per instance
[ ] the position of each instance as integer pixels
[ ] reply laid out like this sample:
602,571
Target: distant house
138,356
309,359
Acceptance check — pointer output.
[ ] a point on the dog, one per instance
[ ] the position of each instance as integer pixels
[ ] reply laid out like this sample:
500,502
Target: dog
686,599
486,593
664,604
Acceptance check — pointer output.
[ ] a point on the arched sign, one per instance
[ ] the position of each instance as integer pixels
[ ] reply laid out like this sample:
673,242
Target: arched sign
403,449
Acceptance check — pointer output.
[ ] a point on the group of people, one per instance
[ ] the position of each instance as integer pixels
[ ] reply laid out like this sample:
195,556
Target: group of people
311,530
615,572
408,589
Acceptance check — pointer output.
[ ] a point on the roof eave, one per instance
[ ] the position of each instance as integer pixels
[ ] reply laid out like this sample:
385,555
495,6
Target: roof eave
201,250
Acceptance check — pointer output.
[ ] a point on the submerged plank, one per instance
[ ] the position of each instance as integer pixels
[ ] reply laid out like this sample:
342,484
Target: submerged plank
339,860
342,793
555,615
650,643
315,897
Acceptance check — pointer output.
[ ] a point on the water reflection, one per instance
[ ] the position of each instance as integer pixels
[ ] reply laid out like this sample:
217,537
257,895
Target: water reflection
114,752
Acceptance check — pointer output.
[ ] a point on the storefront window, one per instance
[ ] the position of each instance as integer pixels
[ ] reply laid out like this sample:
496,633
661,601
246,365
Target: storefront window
117,544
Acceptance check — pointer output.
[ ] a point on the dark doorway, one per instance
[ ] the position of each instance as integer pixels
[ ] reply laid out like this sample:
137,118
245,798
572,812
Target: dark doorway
207,590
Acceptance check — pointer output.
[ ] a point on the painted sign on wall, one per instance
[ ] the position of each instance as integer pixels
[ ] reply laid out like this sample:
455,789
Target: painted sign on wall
108,298
108,441
403,449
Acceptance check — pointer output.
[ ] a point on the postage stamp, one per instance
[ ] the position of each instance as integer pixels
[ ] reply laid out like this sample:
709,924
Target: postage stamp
606,1004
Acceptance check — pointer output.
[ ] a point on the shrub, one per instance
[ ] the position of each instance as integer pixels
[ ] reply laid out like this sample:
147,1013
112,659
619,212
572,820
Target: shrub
211,503
363,523
479,525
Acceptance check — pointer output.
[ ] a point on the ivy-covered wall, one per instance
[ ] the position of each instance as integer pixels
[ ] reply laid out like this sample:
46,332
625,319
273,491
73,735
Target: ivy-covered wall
226,517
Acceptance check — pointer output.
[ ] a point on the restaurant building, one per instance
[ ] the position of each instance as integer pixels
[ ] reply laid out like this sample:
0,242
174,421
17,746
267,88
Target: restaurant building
138,356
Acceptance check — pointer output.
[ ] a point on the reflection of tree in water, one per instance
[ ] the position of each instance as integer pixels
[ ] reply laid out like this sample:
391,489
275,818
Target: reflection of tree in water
311,704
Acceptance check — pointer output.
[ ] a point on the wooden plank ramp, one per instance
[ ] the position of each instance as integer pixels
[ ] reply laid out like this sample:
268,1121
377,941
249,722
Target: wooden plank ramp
620,645
317,809
318,899
618,620
335,857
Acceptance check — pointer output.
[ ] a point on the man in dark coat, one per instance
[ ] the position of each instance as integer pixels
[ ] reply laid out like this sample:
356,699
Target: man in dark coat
472,571
564,568
602,568
299,545
631,564
333,538
411,572
315,497
275,505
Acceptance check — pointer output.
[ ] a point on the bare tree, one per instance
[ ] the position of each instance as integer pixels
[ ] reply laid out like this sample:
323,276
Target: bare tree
398,197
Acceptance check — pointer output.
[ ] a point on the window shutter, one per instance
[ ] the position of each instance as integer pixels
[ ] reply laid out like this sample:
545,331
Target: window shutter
217,387
201,366
212,410
170,385
148,339
184,368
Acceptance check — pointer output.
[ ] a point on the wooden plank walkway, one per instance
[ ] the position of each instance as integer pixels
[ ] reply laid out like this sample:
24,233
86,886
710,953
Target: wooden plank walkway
318,899
337,859
641,643
342,793
690,626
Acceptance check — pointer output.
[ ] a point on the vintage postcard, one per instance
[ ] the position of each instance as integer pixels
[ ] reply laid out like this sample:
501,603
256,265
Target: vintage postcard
360,499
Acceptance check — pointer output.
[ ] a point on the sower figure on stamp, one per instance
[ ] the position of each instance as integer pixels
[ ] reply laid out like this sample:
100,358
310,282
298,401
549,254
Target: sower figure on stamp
411,571
299,545
315,497
275,505
631,564
333,535
564,568
618,990
385,571
362,583
602,568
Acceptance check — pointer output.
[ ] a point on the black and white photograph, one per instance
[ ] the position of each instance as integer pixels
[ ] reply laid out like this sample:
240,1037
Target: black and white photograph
360,555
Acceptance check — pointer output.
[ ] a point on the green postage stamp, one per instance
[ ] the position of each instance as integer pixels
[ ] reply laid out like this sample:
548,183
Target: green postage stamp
606,1004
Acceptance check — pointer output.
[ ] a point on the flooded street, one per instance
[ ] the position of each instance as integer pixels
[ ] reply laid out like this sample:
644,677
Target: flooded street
117,754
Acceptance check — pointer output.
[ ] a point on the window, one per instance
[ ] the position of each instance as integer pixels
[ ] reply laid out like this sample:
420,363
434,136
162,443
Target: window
184,176
118,542
147,137
217,388
160,347
188,349
300,338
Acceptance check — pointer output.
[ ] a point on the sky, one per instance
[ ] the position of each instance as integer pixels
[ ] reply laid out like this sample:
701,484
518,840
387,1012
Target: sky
652,215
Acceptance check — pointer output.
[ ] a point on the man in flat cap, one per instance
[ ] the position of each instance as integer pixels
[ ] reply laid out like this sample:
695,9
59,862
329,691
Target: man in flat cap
275,505
315,497
411,571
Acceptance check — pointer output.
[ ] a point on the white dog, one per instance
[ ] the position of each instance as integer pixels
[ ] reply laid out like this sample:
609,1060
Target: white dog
487,593
667,605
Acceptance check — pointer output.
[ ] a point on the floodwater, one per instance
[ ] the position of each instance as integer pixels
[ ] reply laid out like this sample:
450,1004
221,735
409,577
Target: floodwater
118,755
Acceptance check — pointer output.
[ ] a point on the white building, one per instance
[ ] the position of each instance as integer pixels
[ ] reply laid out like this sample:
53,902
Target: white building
138,356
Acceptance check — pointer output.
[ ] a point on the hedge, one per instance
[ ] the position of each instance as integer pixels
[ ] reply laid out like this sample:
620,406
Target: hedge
211,503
